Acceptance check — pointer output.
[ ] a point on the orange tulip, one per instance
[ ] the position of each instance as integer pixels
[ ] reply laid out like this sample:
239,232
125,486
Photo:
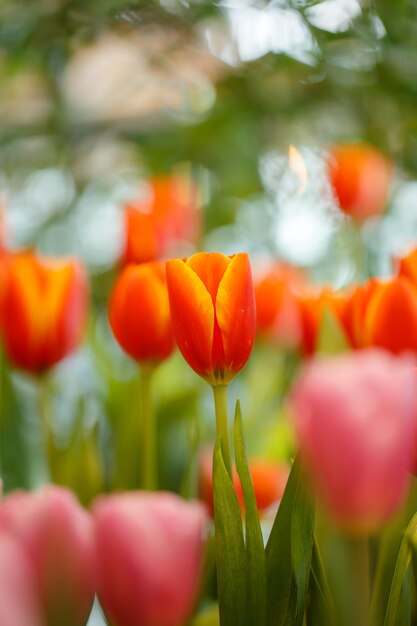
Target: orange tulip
269,481
139,313
390,319
45,306
361,177
312,308
169,213
277,312
408,266
213,313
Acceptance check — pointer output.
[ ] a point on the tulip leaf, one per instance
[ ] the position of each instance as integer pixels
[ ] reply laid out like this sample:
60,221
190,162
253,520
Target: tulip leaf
398,599
288,554
320,609
332,338
230,546
255,552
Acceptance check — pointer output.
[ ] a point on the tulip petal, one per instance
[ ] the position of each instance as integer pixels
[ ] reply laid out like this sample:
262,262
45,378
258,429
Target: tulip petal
210,268
192,313
391,318
235,312
139,312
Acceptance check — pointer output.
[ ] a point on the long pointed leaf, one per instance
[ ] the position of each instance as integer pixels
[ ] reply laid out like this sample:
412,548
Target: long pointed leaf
255,552
288,572
396,599
230,546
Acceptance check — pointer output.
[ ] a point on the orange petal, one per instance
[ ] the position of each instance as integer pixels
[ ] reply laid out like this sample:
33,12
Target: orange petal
192,315
210,268
391,317
235,312
139,313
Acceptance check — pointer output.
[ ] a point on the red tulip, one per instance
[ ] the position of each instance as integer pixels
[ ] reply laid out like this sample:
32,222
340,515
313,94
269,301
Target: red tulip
139,313
408,266
18,602
44,309
355,417
56,536
277,312
383,314
213,313
312,309
150,553
361,177
168,213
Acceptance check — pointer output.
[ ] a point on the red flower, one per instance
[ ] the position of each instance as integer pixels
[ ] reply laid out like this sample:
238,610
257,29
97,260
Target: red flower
45,305
277,312
169,213
213,313
361,177
139,313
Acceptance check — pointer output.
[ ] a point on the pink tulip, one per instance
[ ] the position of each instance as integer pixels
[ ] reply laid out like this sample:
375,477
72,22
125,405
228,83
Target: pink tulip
355,418
56,535
18,601
149,551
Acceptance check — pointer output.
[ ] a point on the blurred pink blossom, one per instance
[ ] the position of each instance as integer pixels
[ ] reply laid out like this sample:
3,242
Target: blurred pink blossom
355,417
150,551
18,601
56,535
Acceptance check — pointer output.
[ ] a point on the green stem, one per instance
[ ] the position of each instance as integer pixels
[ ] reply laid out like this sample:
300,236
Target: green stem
222,424
359,552
149,469
45,417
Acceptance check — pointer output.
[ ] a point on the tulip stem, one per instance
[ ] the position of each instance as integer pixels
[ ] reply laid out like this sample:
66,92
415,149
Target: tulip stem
222,424
149,470
359,549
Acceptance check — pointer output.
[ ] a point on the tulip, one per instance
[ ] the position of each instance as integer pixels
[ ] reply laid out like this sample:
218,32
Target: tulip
383,314
355,416
168,213
139,313
268,479
56,536
312,309
141,322
277,313
408,266
150,554
18,602
361,177
213,313
44,309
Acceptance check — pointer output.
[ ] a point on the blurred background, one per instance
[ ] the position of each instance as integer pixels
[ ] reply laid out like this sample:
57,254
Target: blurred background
244,100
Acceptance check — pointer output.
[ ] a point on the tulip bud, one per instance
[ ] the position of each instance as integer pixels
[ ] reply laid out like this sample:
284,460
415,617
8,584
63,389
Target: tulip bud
139,313
355,417
168,213
18,600
277,312
56,536
361,178
56,288
213,313
150,551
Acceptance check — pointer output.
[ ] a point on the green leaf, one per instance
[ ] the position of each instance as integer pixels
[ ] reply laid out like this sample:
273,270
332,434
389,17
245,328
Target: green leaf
230,546
255,553
288,553
332,338
398,598
320,609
